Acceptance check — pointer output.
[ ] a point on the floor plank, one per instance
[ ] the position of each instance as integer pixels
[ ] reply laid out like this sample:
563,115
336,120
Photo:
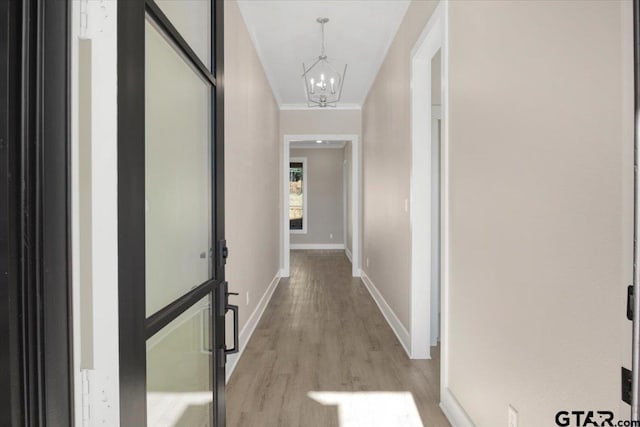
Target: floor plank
323,355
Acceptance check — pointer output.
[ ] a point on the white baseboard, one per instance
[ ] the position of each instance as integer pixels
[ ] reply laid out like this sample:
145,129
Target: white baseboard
316,246
453,410
396,326
347,252
250,326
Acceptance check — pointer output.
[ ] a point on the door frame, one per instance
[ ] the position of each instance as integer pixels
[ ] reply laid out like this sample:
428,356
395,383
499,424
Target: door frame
434,36
35,285
421,210
285,256
635,343
135,328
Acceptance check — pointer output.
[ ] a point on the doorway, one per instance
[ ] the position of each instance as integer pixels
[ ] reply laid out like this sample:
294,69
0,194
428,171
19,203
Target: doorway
428,108
432,41
351,147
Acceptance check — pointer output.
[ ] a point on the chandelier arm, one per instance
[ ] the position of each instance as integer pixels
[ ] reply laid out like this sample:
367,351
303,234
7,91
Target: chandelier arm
310,68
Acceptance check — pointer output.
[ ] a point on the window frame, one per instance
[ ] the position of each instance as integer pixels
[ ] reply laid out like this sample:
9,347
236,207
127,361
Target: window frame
305,193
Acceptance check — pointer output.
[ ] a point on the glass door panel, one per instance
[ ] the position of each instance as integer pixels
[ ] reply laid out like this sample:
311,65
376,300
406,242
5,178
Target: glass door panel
192,19
177,174
179,378
172,290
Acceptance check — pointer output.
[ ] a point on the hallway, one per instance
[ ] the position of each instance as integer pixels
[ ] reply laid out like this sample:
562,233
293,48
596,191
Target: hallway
323,355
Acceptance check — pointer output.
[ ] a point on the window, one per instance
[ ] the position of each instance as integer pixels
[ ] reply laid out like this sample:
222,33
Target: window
298,195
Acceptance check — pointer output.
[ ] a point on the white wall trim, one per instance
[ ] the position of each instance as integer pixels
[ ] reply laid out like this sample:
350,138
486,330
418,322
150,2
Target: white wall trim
250,326
345,201
453,410
340,106
316,246
305,194
451,407
396,325
95,343
422,298
355,197
444,226
347,252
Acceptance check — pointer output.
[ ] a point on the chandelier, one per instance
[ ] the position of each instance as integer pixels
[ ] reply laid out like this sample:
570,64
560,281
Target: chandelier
322,82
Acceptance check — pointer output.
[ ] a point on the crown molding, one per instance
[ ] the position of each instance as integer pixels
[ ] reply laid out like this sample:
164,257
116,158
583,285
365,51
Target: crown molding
342,106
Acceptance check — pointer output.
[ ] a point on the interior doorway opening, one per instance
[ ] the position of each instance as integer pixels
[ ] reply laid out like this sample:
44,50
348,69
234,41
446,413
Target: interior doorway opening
428,108
321,196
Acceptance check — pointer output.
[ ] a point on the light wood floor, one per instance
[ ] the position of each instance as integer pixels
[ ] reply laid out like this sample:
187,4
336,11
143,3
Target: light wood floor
323,355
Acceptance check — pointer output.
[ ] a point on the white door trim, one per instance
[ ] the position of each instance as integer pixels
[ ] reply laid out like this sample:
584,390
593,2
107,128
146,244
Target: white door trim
434,36
94,243
345,192
355,196
427,46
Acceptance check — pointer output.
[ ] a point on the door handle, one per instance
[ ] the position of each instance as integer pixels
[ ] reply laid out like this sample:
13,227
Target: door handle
236,345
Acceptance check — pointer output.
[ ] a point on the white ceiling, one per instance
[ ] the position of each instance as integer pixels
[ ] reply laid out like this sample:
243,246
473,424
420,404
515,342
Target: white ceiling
286,33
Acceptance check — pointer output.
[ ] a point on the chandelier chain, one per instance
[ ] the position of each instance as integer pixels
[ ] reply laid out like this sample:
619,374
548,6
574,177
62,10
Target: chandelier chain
322,48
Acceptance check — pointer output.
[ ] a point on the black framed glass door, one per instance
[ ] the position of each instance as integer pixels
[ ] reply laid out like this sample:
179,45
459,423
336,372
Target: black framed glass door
172,252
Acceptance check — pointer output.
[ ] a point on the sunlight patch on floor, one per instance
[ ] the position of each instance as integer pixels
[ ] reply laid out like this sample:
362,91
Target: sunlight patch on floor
371,409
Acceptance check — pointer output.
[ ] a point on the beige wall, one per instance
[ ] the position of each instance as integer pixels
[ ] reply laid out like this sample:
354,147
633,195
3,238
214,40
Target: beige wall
251,167
540,190
298,122
386,146
325,207
540,168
